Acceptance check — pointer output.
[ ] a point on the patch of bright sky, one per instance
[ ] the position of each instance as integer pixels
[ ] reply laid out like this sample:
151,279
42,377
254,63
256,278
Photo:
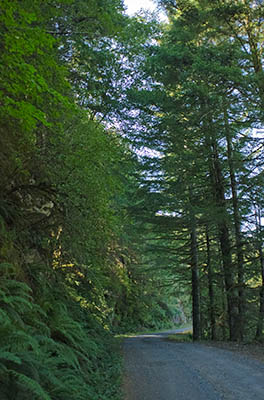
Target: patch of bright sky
259,133
134,6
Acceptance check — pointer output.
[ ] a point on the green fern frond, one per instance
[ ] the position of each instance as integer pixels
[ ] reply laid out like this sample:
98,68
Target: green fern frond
73,333
22,340
30,385
19,287
74,387
65,327
85,357
65,356
49,378
15,319
39,329
47,343
16,295
16,301
8,356
4,318
19,303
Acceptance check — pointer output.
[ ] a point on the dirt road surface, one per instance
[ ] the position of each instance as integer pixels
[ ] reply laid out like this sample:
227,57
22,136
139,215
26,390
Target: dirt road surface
157,369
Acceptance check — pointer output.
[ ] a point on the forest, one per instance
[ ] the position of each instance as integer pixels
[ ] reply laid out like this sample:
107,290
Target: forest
132,168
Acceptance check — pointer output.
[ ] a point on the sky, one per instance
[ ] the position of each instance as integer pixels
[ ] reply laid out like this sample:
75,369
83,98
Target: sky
135,5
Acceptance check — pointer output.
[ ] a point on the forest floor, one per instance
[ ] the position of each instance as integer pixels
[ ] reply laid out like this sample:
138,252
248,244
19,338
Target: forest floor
159,369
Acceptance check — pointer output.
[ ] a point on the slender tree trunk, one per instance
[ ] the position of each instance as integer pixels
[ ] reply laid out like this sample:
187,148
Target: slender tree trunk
195,284
259,331
221,221
232,306
237,224
224,239
223,319
224,308
210,288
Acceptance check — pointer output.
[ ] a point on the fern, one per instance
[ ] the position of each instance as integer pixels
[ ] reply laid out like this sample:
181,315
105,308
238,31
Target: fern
65,357
70,331
47,354
9,356
30,386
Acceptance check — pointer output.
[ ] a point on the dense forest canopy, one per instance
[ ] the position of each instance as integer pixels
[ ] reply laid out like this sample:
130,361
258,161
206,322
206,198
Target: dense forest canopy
131,182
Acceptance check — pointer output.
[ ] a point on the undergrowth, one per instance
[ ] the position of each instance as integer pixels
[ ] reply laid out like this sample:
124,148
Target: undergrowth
181,337
49,354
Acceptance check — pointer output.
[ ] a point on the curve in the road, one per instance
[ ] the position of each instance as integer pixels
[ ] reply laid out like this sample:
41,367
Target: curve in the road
156,369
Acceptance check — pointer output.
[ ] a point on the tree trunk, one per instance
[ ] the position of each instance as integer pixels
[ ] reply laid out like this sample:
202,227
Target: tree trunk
195,284
225,245
259,331
210,288
237,224
221,220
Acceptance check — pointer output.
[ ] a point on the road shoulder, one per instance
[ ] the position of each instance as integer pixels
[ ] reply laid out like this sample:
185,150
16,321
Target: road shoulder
252,350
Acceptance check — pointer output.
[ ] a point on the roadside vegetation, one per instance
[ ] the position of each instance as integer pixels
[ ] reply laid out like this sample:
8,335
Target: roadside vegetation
180,337
72,253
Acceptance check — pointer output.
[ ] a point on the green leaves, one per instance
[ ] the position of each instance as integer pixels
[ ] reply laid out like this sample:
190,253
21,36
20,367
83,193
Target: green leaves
55,362
70,273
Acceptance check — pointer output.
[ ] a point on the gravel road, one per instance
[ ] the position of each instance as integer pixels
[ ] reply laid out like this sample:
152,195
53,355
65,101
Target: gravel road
157,369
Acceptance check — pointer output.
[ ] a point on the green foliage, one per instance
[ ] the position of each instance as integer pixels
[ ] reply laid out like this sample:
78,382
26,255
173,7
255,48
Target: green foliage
194,108
49,357
181,337
29,93
70,274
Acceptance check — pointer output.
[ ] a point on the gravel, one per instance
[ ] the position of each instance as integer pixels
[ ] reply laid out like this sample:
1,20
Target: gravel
157,369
